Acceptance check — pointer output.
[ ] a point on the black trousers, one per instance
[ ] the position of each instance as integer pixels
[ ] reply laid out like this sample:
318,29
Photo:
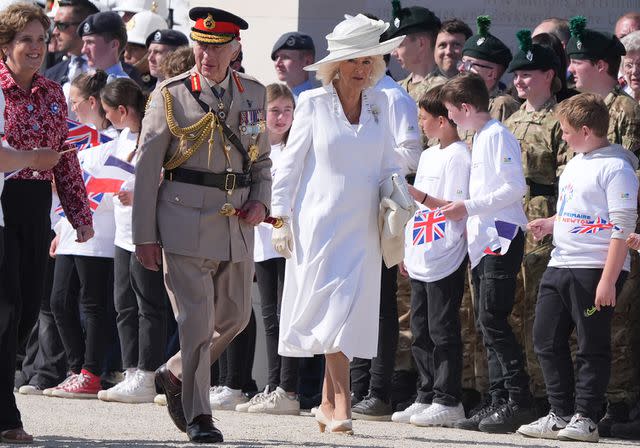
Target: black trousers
26,206
95,275
436,340
374,376
283,370
235,365
494,284
46,364
565,302
140,300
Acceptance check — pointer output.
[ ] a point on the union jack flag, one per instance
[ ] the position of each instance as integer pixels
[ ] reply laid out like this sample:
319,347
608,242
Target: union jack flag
96,188
428,226
83,136
594,226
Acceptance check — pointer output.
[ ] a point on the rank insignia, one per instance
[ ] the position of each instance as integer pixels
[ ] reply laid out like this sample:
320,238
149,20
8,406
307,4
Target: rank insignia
195,83
236,79
252,122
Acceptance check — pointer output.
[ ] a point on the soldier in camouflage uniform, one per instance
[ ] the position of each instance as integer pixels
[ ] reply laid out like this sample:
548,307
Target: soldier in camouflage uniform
538,131
415,53
595,60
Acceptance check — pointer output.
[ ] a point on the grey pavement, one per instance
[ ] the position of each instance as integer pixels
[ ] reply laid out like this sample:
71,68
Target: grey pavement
57,422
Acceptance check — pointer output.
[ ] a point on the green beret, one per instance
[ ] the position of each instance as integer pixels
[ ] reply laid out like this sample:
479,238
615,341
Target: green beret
414,19
591,44
533,56
485,45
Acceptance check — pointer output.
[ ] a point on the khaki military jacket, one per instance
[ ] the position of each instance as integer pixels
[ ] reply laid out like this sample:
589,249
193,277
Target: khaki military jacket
417,89
624,119
184,218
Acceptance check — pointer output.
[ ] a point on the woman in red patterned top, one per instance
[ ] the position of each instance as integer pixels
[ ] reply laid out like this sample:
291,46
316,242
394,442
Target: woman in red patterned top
35,116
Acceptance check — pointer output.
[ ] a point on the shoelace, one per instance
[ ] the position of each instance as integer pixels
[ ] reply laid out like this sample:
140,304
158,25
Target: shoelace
70,379
260,397
79,383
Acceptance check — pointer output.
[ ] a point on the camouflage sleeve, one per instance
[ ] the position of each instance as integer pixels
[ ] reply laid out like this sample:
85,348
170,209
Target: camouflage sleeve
563,152
629,129
503,106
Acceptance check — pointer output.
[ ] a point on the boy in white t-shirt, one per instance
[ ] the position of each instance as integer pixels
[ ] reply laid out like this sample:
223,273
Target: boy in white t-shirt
436,261
596,212
496,189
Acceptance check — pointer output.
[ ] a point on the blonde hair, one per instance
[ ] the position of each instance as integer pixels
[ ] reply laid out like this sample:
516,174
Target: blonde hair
16,17
329,71
585,109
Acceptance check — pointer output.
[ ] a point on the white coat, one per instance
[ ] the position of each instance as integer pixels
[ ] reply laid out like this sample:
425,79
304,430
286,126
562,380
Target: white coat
328,183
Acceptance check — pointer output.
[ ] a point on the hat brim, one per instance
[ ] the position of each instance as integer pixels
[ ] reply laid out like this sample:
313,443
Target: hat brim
343,55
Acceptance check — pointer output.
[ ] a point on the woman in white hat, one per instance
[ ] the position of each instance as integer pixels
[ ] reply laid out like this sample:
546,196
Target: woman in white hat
339,151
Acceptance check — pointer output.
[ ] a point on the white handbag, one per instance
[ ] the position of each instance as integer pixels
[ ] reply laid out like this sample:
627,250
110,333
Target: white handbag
396,208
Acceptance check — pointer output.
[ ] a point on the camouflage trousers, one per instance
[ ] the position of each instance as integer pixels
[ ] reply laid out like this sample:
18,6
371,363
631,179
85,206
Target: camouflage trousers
475,370
624,384
404,358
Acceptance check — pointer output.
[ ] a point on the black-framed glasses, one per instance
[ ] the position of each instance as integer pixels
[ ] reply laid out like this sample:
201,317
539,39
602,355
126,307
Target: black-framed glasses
64,25
465,66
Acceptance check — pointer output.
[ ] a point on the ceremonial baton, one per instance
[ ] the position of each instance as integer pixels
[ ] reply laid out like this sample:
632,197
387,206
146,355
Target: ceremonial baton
229,210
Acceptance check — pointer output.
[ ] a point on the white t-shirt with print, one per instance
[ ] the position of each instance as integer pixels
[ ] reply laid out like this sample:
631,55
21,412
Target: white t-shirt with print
591,186
496,188
444,174
123,213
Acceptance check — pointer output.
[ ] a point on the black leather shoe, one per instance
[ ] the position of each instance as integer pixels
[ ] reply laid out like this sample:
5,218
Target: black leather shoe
202,430
616,413
171,387
508,418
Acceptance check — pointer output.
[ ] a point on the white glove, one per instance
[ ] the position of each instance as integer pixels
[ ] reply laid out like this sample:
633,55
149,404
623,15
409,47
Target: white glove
396,206
282,238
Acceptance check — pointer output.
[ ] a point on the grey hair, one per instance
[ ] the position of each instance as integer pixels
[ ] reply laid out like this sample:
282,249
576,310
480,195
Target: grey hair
631,41
329,71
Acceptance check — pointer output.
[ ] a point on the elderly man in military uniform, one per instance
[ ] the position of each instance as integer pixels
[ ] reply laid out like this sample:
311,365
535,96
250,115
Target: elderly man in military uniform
595,60
206,129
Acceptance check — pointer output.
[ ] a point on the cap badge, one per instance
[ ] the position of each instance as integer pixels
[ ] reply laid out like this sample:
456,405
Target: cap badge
86,28
480,41
396,22
154,6
529,56
579,45
158,36
290,42
131,24
209,23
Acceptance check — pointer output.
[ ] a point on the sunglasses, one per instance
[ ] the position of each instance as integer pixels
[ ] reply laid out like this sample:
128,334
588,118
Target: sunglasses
61,26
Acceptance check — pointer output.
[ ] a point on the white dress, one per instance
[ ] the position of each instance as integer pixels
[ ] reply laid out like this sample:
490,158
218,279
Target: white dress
328,183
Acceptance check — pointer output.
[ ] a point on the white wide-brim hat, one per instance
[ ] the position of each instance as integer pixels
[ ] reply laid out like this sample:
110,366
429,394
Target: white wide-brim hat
356,37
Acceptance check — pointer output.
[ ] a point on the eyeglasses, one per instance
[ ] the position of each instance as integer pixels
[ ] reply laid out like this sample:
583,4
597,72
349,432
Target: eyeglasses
64,25
465,66
629,66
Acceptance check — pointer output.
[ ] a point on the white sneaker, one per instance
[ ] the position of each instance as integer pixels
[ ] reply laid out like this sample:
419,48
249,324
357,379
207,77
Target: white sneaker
138,388
438,415
257,398
580,428
28,389
103,395
213,391
546,427
313,410
405,416
160,400
227,399
278,403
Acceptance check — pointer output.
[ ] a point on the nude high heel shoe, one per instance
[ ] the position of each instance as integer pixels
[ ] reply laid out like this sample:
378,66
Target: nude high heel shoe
322,419
342,426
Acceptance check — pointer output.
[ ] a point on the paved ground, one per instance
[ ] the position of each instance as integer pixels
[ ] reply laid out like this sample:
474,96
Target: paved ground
60,423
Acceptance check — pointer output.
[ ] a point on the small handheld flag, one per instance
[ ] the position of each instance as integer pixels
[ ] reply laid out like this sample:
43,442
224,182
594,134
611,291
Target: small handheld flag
428,226
506,233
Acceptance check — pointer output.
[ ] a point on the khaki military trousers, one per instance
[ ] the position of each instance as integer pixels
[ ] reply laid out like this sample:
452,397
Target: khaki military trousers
211,301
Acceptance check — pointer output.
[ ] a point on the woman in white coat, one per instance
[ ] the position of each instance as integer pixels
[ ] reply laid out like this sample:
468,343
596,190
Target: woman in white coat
340,149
